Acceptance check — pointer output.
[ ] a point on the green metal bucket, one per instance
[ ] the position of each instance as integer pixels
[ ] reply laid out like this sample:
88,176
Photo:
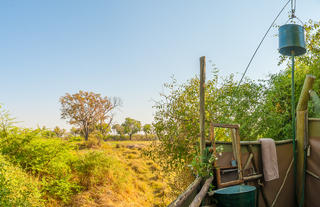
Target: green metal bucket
238,195
291,40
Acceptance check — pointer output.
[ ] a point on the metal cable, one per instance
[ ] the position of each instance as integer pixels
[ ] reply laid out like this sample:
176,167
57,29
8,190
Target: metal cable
300,20
293,8
254,54
291,20
264,36
293,5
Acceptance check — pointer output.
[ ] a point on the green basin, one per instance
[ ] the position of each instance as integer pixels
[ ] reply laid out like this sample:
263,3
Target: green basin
238,195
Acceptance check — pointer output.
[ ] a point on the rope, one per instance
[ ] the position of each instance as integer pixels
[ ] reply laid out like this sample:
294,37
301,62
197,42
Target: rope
283,182
313,175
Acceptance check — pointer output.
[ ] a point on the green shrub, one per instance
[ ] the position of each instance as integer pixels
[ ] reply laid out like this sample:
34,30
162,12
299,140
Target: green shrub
61,169
95,168
136,137
75,139
60,188
48,159
37,155
112,137
59,182
17,188
47,133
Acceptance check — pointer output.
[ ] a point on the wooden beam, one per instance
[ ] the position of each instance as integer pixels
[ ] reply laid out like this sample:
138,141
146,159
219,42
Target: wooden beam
238,146
202,103
287,141
301,140
248,161
198,199
231,183
214,152
233,126
301,136
234,144
184,196
252,177
250,150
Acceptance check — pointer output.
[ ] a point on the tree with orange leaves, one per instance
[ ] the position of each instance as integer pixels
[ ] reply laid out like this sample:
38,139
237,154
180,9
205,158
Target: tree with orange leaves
87,110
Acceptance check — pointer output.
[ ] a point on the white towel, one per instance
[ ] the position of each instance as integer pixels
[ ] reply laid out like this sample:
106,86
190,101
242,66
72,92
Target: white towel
269,159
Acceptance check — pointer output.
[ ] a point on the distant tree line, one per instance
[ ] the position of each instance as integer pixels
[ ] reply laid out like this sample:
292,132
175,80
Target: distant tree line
90,114
131,126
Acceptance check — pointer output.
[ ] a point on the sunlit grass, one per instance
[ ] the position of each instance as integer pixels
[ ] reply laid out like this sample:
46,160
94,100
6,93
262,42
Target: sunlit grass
82,174
144,185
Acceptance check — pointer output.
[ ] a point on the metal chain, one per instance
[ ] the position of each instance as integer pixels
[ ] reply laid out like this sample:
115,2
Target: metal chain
293,8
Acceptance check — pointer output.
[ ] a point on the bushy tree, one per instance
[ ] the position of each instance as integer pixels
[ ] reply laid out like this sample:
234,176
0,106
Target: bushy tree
87,109
176,120
147,128
74,131
60,132
131,126
6,121
119,129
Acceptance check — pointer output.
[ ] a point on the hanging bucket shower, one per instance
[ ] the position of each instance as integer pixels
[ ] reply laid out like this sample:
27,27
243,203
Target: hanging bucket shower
291,40
292,43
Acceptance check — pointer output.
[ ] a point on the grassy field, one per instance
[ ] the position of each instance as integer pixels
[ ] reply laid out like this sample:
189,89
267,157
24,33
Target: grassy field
143,182
37,170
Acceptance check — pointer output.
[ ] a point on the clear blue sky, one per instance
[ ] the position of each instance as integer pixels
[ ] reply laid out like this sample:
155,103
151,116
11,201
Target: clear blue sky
126,49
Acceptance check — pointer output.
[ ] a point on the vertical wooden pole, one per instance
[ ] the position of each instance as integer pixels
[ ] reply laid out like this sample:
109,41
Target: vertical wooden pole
304,96
202,103
302,109
238,146
214,152
234,141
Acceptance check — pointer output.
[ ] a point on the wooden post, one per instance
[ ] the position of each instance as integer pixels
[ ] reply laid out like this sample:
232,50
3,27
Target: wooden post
238,146
203,192
234,147
304,96
186,195
302,110
300,151
202,103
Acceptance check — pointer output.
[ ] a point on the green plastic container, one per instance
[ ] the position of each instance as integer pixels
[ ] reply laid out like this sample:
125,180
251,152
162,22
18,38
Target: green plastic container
236,196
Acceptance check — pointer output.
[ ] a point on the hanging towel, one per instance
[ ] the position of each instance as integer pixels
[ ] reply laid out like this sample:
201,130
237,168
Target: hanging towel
269,159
